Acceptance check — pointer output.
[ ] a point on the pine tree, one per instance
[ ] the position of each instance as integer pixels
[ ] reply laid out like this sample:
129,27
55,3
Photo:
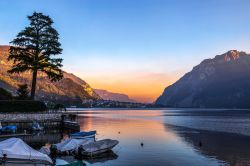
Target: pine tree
33,48
22,92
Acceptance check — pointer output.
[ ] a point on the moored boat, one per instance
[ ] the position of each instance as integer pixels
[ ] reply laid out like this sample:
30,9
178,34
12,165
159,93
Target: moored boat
8,129
70,145
83,134
98,147
14,151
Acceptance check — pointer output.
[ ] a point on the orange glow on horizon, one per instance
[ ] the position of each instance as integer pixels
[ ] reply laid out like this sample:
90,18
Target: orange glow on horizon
142,87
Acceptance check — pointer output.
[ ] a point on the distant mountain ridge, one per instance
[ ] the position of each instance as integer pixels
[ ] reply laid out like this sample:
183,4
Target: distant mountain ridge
106,95
221,82
70,87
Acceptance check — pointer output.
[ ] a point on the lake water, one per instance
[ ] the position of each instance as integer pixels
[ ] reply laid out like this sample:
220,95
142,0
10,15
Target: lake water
171,137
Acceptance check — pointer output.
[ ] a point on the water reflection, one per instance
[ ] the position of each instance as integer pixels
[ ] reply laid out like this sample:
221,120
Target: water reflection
147,138
102,158
162,145
231,148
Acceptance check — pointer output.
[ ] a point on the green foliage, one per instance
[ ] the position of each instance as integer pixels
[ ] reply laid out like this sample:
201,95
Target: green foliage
22,92
5,95
10,106
59,106
54,106
33,49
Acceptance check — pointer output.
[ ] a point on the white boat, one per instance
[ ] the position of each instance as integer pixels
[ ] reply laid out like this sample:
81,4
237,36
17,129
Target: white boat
72,144
98,147
60,162
45,149
14,151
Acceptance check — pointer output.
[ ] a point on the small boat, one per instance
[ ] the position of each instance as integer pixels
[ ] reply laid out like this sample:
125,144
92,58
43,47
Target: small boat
36,126
14,151
8,129
97,147
83,134
70,145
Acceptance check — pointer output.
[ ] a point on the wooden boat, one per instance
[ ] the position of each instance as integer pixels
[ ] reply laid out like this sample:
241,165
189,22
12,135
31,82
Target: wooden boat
83,134
98,147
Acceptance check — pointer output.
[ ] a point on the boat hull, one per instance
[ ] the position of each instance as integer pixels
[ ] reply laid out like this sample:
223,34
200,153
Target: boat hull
95,153
98,147
82,135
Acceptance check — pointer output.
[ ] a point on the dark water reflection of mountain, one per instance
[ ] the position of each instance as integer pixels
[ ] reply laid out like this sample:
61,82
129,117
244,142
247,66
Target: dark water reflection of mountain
234,149
166,144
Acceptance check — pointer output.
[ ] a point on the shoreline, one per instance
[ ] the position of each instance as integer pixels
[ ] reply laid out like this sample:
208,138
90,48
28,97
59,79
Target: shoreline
153,108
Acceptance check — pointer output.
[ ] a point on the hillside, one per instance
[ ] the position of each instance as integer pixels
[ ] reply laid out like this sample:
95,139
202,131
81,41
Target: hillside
106,95
69,88
221,82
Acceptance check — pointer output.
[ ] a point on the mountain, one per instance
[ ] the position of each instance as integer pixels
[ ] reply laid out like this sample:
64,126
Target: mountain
221,82
69,88
106,95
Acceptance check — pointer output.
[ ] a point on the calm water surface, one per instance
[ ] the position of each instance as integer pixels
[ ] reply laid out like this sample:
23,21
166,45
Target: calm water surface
171,137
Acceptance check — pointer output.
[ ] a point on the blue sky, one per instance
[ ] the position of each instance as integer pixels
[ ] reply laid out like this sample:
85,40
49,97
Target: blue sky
136,47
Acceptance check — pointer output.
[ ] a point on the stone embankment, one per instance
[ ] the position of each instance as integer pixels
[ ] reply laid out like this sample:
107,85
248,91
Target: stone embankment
25,117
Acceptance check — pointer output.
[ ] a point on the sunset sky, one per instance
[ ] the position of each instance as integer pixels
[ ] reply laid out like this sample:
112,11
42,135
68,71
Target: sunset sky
136,47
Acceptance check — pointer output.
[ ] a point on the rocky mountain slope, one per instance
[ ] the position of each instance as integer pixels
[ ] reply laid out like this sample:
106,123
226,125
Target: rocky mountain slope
221,82
106,95
69,88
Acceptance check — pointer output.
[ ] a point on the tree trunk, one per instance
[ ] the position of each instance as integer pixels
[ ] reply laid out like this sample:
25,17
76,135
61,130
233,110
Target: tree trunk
33,86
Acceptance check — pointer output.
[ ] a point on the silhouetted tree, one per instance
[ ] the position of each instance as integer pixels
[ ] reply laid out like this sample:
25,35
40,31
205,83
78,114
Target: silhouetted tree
22,92
33,49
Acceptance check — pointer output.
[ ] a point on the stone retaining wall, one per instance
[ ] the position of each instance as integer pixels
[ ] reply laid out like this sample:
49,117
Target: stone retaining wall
21,117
